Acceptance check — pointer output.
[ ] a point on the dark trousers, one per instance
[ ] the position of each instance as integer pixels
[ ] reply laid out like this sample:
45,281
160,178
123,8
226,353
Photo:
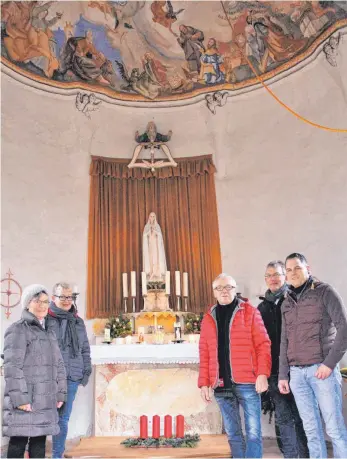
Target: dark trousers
290,432
37,447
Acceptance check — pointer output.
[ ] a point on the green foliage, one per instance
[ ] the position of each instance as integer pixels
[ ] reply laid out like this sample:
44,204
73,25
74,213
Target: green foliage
188,441
120,326
193,322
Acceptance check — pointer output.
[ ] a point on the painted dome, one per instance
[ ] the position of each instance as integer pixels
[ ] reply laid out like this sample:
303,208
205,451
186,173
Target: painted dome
162,50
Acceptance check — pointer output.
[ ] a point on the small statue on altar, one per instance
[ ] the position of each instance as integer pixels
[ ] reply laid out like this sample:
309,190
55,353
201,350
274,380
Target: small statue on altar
154,261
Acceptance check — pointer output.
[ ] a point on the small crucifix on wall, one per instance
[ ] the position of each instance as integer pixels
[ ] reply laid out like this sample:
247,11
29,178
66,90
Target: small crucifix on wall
154,141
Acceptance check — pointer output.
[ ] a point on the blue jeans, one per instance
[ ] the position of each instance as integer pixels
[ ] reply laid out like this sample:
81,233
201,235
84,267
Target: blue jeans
246,396
58,447
293,441
313,394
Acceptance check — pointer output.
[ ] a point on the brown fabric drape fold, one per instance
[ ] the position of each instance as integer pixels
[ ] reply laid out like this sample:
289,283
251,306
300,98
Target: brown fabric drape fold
121,200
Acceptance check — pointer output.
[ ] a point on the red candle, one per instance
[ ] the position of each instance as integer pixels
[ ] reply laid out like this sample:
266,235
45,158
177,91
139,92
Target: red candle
156,426
179,426
168,426
143,427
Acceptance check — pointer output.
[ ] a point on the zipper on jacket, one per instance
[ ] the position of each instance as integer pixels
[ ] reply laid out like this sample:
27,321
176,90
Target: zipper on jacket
230,325
216,325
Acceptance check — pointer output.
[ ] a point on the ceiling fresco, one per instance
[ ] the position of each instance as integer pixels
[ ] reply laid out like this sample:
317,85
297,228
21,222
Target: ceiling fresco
162,50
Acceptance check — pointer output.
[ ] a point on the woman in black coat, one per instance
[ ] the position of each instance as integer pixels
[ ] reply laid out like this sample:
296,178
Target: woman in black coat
35,378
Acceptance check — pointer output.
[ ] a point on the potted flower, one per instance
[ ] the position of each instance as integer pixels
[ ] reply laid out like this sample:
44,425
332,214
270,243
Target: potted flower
120,327
193,325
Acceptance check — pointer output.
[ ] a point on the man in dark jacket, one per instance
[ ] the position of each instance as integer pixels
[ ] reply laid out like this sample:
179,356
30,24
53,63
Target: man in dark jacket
73,341
292,439
313,341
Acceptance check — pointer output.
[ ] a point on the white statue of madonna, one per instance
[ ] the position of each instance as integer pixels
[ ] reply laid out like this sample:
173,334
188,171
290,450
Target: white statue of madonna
154,261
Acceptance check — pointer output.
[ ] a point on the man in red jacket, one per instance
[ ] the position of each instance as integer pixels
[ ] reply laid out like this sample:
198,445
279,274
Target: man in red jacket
235,362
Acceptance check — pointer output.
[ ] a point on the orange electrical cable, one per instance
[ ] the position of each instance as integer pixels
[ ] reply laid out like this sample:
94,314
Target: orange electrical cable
259,78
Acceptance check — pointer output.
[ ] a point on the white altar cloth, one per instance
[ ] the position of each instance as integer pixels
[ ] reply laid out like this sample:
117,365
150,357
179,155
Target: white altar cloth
183,353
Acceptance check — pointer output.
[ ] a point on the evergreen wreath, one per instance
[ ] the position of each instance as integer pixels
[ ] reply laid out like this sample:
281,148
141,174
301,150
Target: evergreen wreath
188,441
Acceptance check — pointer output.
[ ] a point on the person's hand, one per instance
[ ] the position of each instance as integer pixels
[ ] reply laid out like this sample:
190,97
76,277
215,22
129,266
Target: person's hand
60,404
323,372
283,386
25,407
206,394
261,384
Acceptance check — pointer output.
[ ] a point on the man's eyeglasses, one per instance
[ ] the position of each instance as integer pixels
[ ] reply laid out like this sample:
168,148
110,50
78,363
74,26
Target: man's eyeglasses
275,275
220,288
44,302
64,298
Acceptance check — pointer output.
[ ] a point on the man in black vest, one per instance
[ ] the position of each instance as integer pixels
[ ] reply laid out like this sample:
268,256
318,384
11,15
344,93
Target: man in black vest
291,436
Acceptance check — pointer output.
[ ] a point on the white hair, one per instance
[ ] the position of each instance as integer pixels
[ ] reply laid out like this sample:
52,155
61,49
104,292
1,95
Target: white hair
224,276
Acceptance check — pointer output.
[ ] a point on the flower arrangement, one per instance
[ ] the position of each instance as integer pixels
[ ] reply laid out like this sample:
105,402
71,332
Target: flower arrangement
193,322
120,326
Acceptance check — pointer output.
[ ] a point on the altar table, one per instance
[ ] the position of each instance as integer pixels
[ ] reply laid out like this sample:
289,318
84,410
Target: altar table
147,379
210,446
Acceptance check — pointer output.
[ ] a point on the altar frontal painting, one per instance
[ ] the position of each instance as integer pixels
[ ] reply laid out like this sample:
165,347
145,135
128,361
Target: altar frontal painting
161,50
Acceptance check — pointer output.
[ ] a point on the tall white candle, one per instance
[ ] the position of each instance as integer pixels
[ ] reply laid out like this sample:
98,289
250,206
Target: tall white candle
133,283
178,283
185,284
144,284
167,282
125,285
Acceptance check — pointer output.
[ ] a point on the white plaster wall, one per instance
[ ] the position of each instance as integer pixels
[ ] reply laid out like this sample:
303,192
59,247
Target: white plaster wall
281,184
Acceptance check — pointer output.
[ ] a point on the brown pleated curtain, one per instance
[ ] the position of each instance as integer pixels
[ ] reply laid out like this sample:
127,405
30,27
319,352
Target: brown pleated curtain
121,199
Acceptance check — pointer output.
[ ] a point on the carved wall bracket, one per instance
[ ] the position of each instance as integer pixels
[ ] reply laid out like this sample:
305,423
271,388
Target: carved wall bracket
153,141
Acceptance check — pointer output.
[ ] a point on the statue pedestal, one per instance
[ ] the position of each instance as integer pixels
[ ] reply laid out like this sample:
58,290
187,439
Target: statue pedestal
156,301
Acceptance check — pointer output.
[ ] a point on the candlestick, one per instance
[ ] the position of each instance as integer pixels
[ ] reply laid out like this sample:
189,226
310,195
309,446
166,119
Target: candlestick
180,426
185,284
125,305
133,283
178,304
107,334
167,283
144,284
178,283
143,426
156,426
134,304
125,285
168,426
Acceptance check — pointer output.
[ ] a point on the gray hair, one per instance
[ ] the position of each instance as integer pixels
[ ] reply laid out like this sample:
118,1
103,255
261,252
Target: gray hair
62,285
223,276
275,264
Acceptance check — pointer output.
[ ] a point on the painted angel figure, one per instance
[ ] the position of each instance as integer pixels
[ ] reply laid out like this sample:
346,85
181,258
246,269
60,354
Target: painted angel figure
154,261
